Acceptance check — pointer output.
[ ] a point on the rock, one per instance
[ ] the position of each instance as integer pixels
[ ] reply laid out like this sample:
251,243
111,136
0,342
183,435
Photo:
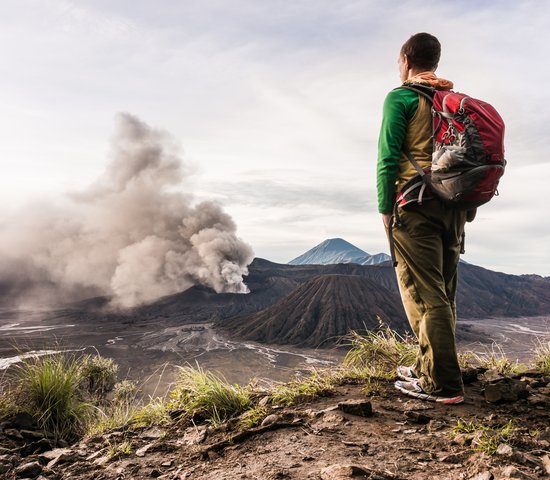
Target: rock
166,464
483,476
505,450
152,434
30,469
13,434
417,417
264,401
4,467
469,375
505,391
59,455
271,419
546,463
140,452
454,458
94,455
155,473
50,455
195,435
42,445
361,408
492,375
538,400
102,460
512,472
23,420
487,475
343,472
31,434
463,439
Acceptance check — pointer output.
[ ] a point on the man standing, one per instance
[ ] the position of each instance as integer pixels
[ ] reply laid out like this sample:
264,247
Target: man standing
425,235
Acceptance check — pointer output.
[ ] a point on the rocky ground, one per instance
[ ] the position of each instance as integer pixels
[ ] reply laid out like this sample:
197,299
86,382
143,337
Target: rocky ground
346,435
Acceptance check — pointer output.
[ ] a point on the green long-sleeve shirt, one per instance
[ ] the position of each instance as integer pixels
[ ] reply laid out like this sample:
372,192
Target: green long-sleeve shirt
399,108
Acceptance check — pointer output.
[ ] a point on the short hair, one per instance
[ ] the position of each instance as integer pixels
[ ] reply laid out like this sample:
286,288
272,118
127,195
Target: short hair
423,51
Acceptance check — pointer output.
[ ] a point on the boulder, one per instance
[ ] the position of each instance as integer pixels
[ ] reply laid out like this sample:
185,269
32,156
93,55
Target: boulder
505,391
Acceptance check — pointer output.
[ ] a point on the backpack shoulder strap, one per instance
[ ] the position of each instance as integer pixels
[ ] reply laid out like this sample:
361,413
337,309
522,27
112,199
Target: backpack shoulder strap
424,90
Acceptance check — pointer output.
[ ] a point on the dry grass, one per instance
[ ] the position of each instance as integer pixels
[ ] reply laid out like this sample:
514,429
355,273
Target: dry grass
199,393
378,353
541,361
303,389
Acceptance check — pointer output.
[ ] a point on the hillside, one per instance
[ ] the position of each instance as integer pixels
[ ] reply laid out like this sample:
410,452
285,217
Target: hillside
320,311
344,434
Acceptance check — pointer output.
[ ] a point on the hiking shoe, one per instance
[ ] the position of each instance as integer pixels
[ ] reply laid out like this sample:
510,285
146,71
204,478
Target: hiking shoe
406,373
413,389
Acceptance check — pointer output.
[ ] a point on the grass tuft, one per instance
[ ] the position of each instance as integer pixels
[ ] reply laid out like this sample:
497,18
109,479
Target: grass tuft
542,357
485,438
380,352
153,413
303,389
252,417
205,395
372,387
117,450
495,359
98,374
49,387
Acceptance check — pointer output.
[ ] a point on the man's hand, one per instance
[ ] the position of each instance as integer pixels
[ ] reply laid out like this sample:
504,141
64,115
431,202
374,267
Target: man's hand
386,218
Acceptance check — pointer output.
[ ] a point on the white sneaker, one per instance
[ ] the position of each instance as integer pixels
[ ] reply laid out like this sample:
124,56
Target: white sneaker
413,389
406,373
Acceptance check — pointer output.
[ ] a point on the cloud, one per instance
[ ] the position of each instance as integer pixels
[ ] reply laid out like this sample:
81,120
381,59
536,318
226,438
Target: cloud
268,85
129,235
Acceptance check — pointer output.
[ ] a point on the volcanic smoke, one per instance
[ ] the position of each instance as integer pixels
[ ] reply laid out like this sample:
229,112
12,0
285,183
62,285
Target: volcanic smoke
131,235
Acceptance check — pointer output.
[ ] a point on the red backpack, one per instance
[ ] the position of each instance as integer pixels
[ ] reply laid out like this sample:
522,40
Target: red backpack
468,148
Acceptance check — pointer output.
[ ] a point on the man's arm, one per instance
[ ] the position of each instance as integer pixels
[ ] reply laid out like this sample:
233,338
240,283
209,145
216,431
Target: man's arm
399,106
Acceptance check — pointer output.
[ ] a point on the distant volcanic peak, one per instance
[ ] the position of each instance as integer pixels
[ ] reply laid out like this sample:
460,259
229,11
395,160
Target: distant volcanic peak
333,250
376,259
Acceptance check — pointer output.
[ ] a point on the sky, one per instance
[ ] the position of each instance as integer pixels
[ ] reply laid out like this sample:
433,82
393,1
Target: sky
276,106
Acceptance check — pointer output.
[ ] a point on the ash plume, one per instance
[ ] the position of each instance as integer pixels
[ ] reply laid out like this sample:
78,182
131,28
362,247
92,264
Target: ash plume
131,235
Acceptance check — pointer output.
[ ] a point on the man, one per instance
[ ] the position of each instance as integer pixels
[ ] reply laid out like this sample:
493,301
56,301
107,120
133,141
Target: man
425,236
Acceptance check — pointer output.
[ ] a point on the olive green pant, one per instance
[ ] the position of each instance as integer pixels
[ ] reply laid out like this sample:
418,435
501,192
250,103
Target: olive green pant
427,241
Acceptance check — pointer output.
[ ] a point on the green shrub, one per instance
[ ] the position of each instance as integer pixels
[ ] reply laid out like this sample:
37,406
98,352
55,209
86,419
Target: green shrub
202,394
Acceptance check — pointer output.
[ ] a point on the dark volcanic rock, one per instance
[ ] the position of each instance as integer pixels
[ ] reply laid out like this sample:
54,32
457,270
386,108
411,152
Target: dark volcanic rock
505,391
321,311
